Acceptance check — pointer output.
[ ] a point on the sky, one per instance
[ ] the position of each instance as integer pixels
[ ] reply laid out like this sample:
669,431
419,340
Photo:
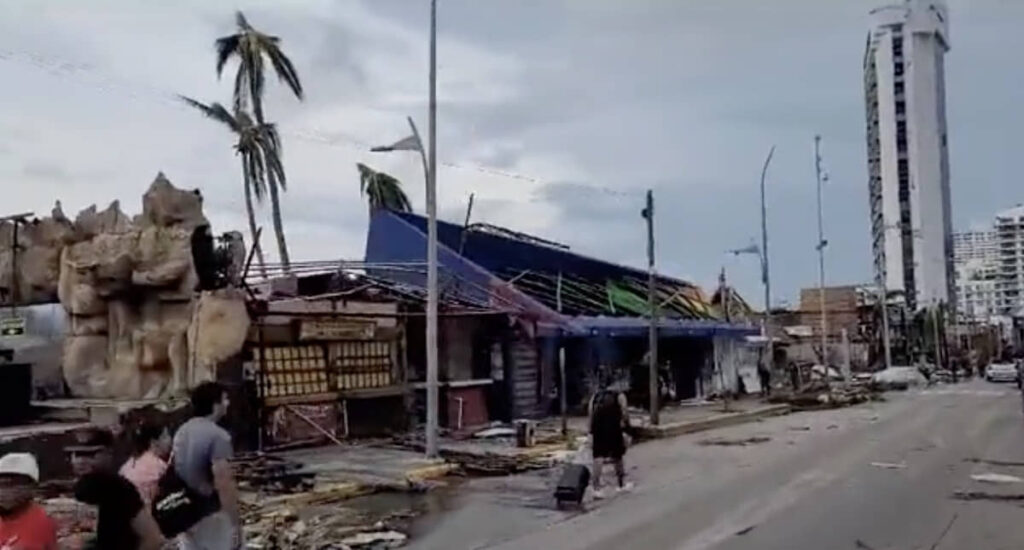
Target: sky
557,114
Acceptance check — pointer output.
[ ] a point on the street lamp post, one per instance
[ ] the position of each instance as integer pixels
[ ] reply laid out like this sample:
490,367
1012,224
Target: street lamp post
429,158
822,243
767,320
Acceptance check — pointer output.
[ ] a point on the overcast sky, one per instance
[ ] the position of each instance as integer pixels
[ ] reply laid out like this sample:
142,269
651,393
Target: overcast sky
589,101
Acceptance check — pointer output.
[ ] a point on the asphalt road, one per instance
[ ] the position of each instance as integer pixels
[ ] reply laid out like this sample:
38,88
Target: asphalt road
874,477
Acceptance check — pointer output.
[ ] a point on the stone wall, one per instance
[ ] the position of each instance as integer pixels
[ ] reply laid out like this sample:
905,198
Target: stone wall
129,286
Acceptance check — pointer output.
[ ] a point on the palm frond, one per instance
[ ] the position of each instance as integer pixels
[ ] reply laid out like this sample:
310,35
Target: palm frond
215,111
241,21
254,75
283,67
226,47
382,190
365,174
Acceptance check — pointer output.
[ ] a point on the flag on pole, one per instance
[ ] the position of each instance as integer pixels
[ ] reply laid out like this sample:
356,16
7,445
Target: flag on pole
411,143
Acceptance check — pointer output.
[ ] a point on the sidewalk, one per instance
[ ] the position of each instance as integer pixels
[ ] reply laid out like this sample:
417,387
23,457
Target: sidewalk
346,471
678,419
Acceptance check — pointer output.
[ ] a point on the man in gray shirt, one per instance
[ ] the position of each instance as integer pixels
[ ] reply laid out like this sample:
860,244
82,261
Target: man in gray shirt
201,458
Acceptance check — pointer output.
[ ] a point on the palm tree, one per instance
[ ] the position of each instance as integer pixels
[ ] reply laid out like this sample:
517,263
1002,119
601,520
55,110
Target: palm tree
382,190
250,46
259,149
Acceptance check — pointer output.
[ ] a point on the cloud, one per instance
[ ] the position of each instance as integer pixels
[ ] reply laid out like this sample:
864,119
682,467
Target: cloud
545,106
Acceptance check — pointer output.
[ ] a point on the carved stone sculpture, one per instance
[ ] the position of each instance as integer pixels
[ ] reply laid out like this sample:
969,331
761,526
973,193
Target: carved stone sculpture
129,289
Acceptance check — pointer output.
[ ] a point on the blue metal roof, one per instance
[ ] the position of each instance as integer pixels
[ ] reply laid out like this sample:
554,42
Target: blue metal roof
505,264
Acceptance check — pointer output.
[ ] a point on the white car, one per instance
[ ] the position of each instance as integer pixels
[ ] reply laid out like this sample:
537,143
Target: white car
1001,372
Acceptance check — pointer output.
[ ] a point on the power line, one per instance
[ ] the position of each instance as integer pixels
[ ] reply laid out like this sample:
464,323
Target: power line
87,74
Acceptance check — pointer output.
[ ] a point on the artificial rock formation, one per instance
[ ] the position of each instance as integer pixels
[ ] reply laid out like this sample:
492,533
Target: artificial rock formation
129,287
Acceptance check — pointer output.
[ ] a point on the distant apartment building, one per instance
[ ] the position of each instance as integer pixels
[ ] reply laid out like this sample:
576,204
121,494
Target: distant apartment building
908,160
976,272
1009,234
974,245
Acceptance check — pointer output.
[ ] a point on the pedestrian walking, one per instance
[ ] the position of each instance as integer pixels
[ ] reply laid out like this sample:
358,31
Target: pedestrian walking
124,521
764,375
201,455
151,445
609,421
24,525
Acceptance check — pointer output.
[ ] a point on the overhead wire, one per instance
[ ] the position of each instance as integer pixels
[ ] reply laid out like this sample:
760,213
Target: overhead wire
90,75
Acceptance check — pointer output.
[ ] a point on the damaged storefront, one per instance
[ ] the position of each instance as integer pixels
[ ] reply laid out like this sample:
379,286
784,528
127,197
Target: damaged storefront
342,354
590,313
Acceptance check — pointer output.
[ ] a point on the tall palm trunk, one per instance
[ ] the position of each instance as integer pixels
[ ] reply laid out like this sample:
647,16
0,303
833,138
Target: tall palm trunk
275,204
251,212
275,212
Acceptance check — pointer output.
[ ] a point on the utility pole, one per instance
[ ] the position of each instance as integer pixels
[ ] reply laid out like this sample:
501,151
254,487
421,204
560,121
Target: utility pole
886,346
652,303
935,335
561,363
432,397
16,220
765,277
822,243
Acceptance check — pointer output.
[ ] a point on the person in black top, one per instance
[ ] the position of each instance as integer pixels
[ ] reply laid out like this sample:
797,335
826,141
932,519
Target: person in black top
609,422
124,523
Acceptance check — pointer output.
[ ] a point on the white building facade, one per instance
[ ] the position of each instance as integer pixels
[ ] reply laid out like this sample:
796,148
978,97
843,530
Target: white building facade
1009,231
976,272
908,160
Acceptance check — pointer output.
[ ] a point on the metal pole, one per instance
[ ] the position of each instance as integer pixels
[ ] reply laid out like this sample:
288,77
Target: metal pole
562,384
652,344
935,336
465,225
765,276
886,347
432,397
821,261
15,279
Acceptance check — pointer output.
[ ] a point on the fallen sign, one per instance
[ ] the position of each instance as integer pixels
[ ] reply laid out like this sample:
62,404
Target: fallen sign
12,326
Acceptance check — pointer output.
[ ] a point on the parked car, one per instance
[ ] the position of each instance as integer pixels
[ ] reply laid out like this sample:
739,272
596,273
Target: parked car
1001,372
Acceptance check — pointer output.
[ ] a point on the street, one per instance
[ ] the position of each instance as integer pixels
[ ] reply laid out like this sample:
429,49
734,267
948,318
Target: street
878,476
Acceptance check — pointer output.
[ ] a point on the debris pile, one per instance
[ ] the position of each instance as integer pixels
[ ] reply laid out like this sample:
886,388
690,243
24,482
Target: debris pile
818,395
495,464
269,473
336,528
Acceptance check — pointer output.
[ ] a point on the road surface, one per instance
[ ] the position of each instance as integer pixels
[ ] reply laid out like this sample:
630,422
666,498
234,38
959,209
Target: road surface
880,476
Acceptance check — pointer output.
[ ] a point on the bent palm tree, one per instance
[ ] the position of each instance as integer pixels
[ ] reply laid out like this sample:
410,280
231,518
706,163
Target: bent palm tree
382,190
259,149
250,46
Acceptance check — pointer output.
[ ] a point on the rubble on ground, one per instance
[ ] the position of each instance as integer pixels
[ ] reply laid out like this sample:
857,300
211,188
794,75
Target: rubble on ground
898,378
269,473
324,528
285,506
818,395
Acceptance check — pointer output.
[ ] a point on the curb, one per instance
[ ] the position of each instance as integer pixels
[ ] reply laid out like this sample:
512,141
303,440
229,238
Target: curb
712,422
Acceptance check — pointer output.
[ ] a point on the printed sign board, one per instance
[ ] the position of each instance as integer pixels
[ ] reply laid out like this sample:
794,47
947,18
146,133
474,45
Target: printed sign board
12,326
325,329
